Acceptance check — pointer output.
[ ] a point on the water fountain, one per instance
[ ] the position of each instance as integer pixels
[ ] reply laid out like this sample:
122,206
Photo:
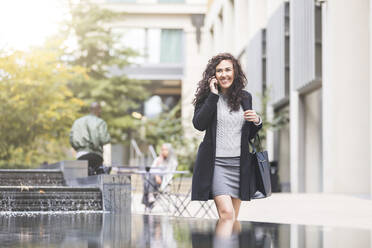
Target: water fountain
63,186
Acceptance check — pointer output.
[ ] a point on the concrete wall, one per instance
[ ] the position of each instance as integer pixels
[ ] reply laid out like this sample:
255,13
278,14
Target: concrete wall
313,142
370,94
346,93
241,26
257,16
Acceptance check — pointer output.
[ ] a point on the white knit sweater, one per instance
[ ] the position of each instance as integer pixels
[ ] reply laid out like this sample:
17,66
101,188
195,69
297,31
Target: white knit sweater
229,129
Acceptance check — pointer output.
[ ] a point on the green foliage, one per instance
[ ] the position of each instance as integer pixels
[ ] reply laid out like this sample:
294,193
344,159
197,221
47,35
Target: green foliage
37,108
167,128
280,119
44,90
181,234
99,50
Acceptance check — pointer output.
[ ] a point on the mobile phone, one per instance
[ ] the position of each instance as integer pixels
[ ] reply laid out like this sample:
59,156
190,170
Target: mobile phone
217,87
215,84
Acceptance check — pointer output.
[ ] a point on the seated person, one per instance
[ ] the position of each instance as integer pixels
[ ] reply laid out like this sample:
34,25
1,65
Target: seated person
167,161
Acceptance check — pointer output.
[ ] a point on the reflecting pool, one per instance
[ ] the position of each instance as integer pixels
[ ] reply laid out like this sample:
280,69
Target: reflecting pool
109,230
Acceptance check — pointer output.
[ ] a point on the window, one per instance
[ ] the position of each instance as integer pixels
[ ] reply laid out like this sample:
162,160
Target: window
153,45
171,46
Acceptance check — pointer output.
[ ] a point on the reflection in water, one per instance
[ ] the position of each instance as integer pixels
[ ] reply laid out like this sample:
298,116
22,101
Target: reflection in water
156,232
109,230
241,234
42,230
227,234
65,230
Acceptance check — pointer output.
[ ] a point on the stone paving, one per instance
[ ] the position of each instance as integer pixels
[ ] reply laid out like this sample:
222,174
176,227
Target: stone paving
337,210
310,209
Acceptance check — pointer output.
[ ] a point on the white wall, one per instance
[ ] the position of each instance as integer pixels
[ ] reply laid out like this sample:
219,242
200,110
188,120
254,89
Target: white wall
195,63
272,5
241,26
346,92
229,34
257,16
296,153
313,142
154,21
370,94
153,6
241,21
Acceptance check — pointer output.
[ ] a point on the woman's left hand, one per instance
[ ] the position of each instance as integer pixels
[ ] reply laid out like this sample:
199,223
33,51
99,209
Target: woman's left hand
251,115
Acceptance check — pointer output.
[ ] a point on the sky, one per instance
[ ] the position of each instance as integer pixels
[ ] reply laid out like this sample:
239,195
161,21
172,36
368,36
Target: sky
24,23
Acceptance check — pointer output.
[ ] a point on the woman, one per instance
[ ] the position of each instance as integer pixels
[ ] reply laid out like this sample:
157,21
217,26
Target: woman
167,160
223,170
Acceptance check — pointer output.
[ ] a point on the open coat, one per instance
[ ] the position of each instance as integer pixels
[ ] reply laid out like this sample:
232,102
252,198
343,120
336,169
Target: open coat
205,119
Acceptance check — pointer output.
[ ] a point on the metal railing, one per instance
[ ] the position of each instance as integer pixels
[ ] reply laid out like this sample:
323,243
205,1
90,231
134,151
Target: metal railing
139,158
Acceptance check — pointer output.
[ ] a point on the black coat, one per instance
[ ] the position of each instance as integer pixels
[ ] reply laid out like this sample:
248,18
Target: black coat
205,118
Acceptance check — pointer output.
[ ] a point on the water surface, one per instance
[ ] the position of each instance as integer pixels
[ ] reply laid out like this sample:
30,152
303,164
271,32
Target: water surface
109,230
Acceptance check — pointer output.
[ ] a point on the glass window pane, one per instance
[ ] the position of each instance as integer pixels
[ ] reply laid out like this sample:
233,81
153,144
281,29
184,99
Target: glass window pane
171,46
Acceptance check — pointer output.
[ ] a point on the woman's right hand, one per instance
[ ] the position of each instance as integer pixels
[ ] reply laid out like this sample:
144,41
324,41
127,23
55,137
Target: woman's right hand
158,179
213,85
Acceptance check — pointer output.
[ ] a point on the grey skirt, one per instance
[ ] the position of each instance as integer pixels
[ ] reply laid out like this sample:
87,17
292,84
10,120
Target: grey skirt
226,177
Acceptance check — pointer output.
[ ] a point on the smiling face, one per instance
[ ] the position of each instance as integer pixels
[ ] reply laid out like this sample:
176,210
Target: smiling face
225,74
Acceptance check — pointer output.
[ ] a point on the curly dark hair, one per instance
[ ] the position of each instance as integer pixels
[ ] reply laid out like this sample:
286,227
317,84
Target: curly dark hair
235,93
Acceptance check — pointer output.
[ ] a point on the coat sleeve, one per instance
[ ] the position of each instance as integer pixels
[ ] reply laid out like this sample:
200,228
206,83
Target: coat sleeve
72,141
104,136
72,138
253,128
204,112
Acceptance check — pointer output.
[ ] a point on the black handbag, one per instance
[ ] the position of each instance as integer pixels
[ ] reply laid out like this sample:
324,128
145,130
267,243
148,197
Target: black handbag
262,170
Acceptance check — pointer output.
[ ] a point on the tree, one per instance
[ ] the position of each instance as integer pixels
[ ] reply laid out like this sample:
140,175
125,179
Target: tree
99,50
167,128
279,121
37,107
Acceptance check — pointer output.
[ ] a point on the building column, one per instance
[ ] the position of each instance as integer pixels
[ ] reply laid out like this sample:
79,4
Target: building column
346,92
241,25
370,99
257,16
296,140
194,64
228,27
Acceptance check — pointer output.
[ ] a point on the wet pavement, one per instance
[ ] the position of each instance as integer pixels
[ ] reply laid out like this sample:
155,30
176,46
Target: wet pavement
109,230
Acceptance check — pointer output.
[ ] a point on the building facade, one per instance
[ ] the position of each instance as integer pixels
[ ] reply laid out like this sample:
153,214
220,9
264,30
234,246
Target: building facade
167,36
312,59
